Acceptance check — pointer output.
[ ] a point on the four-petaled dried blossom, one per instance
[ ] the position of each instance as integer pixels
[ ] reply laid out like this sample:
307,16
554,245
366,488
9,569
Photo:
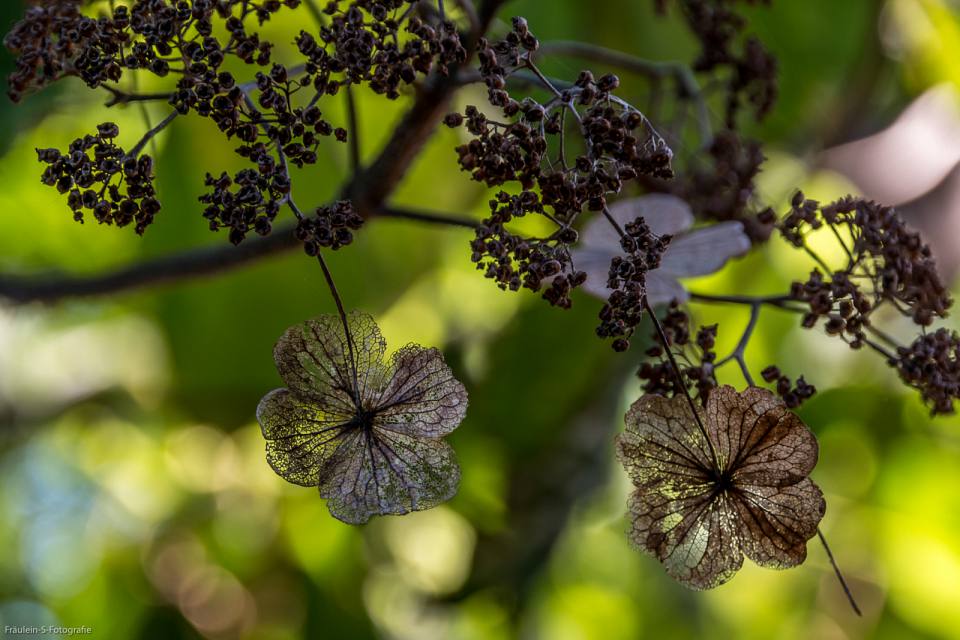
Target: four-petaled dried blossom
690,253
700,504
367,432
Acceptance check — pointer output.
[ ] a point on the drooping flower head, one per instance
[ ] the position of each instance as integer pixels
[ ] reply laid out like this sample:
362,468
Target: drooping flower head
701,504
366,431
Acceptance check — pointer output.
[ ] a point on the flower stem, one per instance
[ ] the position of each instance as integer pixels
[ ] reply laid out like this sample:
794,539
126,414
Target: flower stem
836,570
346,327
354,130
679,376
738,352
149,135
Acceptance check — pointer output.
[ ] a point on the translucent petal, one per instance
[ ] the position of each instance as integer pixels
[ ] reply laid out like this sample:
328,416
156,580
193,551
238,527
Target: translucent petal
367,434
662,438
382,472
694,534
421,397
676,514
778,521
704,250
301,437
758,439
663,213
313,359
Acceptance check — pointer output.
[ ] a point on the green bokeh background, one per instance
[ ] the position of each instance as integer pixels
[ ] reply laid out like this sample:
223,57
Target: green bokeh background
134,495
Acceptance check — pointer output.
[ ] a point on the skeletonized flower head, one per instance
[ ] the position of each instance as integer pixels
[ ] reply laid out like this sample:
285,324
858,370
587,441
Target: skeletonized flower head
691,253
700,505
366,431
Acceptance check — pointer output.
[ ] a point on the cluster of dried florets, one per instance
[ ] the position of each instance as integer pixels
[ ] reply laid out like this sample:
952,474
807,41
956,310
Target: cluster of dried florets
329,227
250,201
751,70
696,357
98,176
886,262
793,395
932,365
363,44
514,261
55,39
530,149
627,281
383,44
721,186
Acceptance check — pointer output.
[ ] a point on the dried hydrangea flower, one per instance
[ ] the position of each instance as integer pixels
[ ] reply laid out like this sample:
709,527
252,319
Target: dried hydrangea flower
691,253
700,504
366,431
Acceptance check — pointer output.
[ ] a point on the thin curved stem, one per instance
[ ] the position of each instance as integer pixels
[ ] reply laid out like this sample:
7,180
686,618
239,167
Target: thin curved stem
149,135
740,349
665,342
315,12
354,135
122,97
683,75
346,326
836,570
429,218
777,301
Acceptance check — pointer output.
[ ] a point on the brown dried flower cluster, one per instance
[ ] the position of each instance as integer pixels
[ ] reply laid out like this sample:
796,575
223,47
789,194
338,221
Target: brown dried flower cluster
56,39
98,176
890,258
721,186
932,365
696,354
750,69
374,42
617,145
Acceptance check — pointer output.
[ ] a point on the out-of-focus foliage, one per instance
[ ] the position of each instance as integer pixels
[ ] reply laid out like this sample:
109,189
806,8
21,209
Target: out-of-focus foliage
134,494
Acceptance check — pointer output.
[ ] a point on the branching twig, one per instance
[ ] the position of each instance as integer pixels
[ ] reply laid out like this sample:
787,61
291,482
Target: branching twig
192,263
430,218
686,82
178,266
740,349
471,12
149,135
368,189
778,301
122,97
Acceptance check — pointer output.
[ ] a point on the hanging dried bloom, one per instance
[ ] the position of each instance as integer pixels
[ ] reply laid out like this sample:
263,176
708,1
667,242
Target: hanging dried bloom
700,504
366,431
690,253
